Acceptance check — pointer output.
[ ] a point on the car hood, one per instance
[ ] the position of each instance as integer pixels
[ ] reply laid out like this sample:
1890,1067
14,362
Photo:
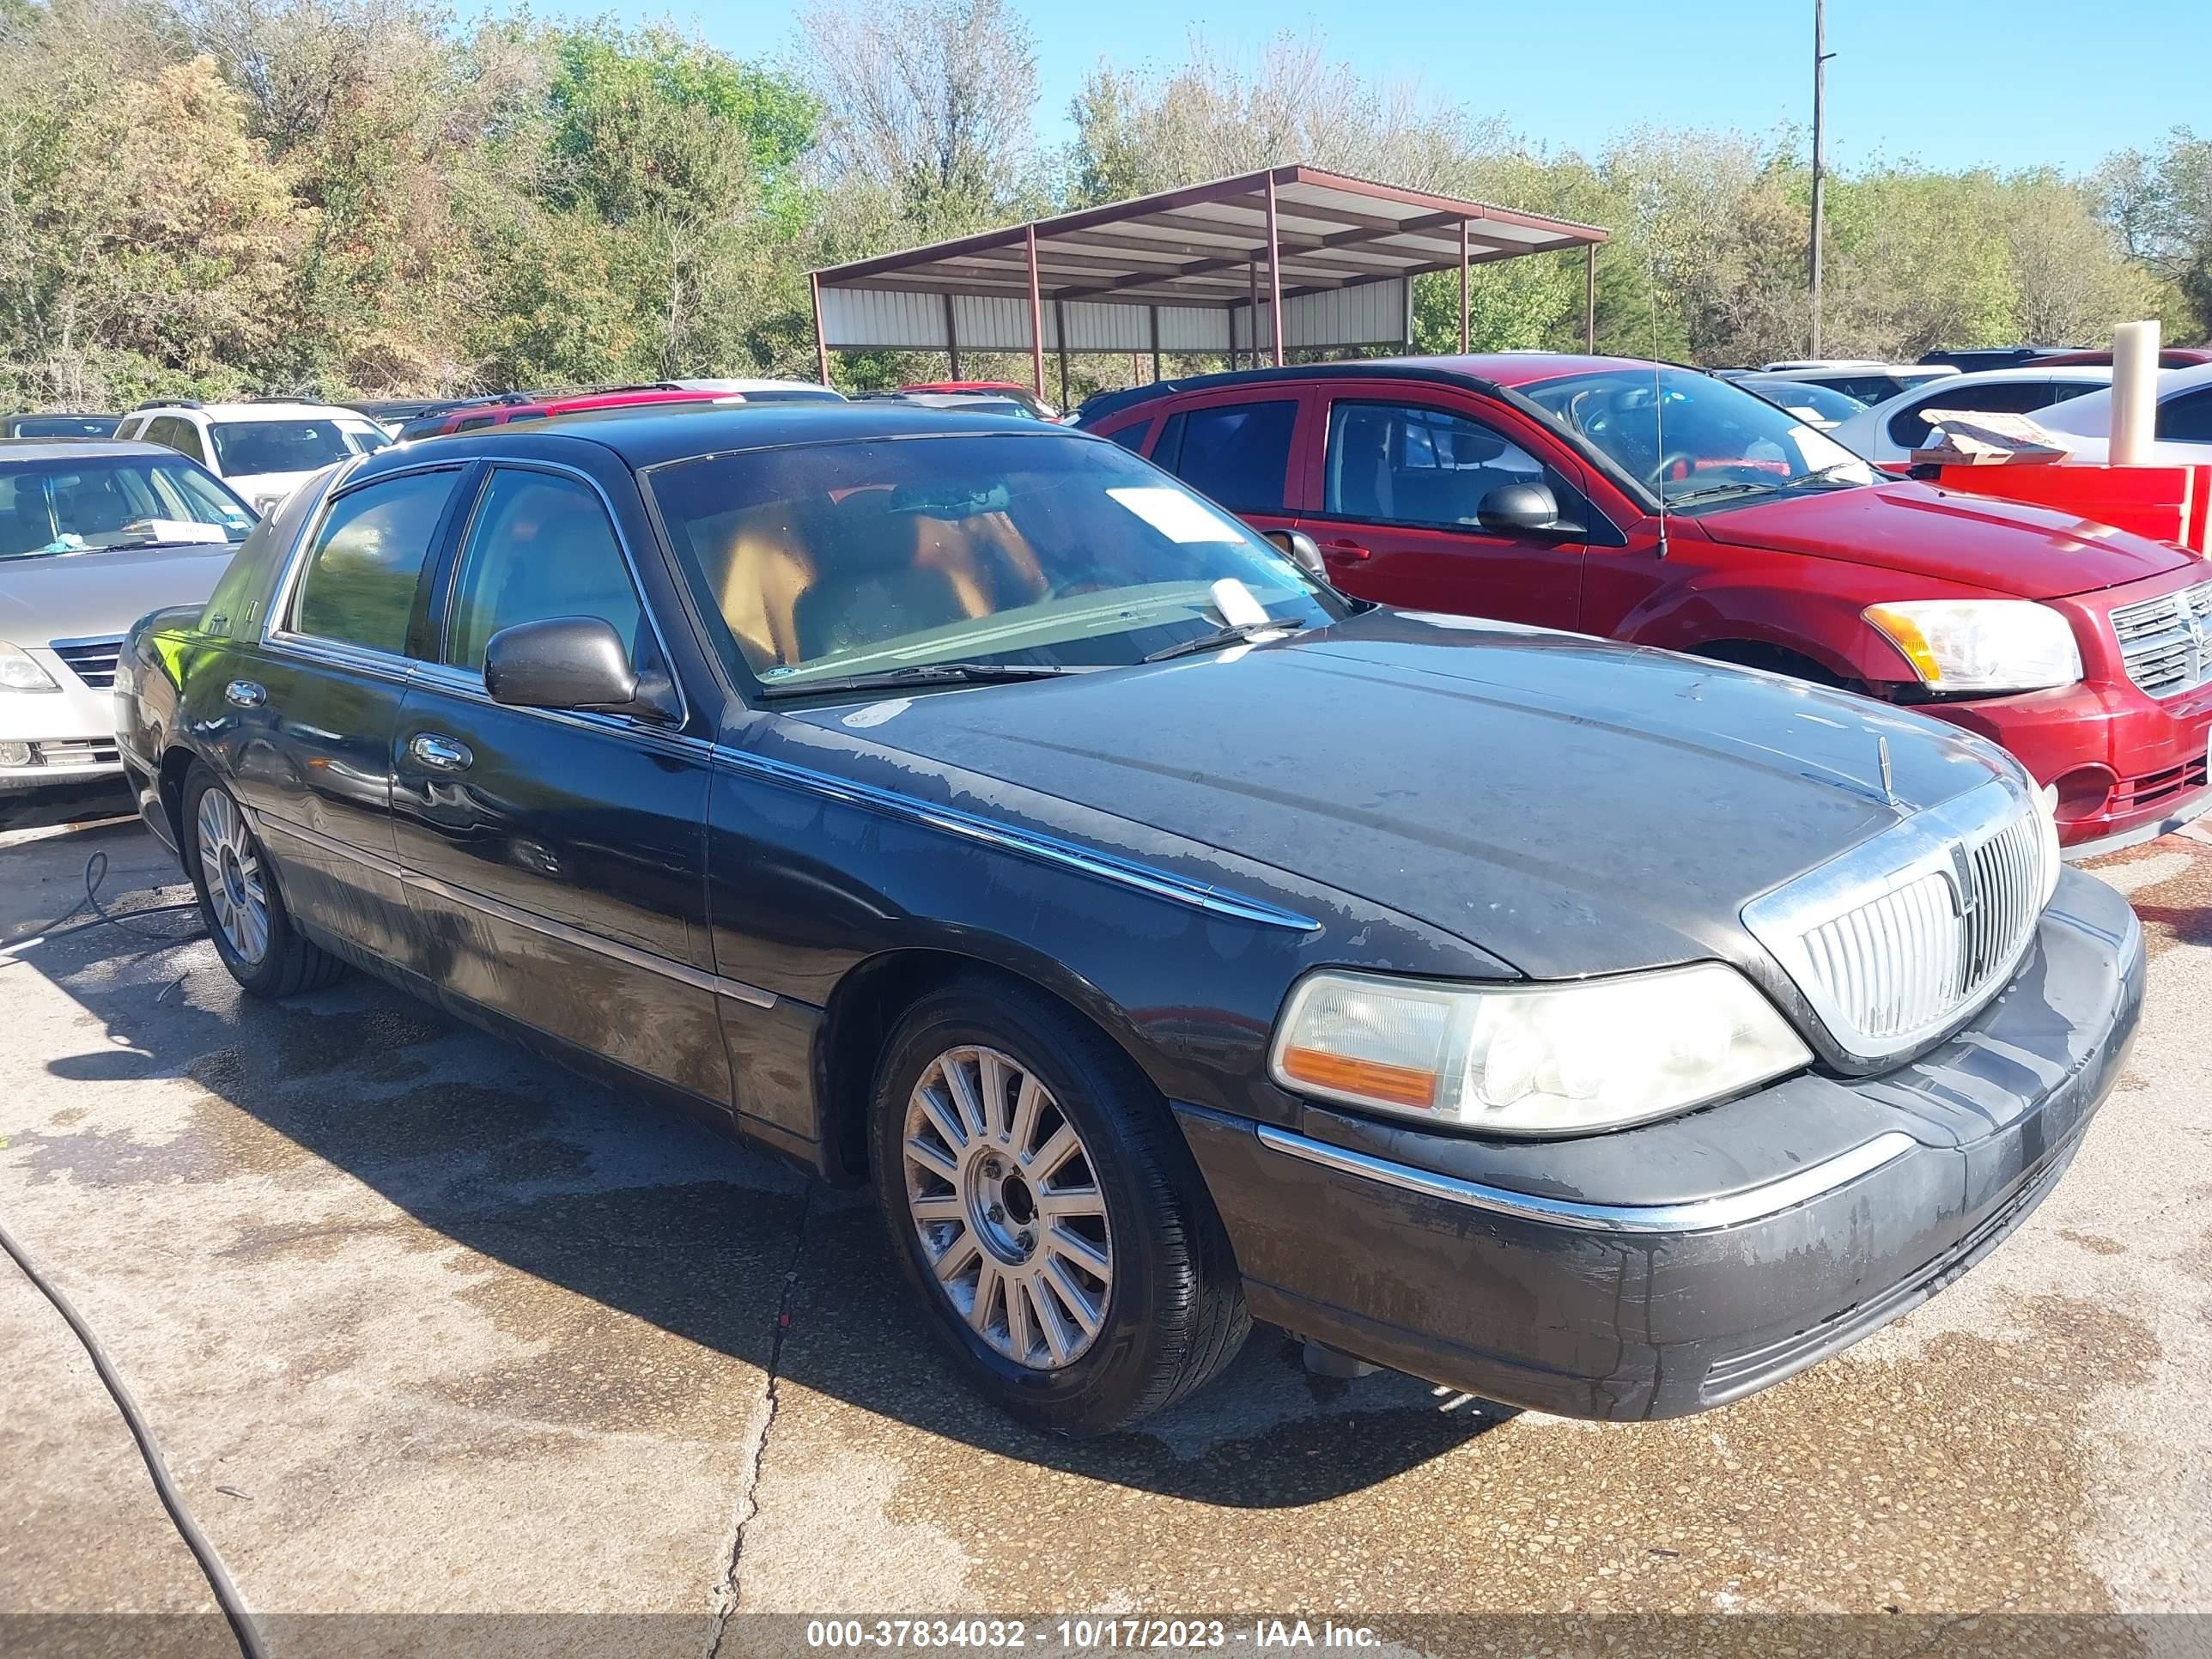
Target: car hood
76,596
2007,547
1567,805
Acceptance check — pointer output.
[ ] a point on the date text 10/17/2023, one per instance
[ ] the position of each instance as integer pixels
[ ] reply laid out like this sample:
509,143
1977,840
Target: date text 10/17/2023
1084,1635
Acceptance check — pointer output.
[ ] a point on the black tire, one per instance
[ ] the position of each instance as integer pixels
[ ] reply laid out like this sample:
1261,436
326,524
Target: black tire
1174,1313
287,964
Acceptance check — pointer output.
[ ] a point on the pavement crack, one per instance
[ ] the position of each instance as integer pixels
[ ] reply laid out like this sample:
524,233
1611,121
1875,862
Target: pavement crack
728,1588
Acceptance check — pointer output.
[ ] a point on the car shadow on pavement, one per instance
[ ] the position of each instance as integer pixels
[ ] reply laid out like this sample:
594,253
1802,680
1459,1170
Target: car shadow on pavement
639,1210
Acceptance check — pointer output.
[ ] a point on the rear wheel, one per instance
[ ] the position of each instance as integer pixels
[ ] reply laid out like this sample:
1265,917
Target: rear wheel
245,913
1044,1205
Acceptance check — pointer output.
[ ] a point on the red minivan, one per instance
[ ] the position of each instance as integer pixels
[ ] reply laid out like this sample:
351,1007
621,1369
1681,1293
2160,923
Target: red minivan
1660,505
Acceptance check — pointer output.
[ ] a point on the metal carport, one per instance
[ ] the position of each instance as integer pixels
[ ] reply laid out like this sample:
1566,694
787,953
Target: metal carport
1292,259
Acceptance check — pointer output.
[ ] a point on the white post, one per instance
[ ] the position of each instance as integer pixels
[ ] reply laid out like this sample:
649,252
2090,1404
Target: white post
2135,392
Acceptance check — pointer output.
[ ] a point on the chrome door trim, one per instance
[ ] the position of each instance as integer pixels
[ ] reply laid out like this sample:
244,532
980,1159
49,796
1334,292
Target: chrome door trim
698,979
1026,843
1698,1216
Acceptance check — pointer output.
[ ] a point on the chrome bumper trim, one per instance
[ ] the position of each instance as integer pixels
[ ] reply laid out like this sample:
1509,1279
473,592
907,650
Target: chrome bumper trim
1700,1215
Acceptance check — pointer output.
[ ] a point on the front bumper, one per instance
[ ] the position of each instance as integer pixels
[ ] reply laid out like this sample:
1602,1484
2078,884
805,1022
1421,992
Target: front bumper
1670,1269
71,732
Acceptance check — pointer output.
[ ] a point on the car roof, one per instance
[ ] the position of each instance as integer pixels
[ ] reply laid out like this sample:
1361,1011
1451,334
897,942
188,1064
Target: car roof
647,440
1482,371
2085,373
76,449
274,409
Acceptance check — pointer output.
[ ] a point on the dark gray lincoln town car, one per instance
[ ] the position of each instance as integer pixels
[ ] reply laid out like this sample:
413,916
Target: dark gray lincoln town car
963,806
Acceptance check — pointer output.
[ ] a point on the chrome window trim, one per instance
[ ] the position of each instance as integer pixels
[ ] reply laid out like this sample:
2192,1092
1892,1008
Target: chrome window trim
699,979
1697,1216
1026,843
1895,858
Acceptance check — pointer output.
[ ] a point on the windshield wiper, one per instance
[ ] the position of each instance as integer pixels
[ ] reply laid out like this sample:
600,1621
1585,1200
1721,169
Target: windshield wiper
1235,634
1719,492
921,673
1826,475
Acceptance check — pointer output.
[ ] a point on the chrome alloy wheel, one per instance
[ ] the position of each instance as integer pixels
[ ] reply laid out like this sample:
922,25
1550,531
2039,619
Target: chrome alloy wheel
235,882
1004,1195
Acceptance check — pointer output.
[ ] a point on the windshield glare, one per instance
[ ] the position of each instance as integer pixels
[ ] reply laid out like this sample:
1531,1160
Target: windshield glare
1684,435
248,448
833,559
55,507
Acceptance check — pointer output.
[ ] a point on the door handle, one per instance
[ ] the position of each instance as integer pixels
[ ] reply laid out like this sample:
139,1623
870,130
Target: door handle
1341,548
440,754
246,693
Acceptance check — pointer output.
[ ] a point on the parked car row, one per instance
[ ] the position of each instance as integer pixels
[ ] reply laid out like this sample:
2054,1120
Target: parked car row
971,808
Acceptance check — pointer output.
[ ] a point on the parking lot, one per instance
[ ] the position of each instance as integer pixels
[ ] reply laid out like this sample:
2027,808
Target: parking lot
425,1325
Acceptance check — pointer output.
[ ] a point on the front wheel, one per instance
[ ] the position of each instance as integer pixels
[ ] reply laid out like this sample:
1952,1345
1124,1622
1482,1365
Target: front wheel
1045,1207
245,913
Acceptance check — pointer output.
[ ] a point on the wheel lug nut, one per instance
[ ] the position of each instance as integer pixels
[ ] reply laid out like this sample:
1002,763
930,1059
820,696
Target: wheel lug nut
997,1212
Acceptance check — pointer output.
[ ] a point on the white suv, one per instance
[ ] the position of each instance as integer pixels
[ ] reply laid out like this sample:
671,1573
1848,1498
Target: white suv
261,449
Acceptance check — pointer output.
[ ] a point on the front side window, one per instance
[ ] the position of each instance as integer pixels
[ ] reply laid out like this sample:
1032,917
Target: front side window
1239,453
249,447
358,586
1692,439
539,546
52,508
1039,550
2187,419
1405,464
1910,429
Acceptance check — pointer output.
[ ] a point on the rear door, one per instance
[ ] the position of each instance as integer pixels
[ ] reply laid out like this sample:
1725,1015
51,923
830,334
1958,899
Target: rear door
313,709
1403,471
556,861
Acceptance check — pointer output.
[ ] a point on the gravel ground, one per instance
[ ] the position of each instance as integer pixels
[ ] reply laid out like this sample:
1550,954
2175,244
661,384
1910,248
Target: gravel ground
428,1326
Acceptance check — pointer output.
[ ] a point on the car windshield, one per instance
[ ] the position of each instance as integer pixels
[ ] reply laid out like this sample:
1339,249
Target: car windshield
49,507
1034,553
1693,440
246,447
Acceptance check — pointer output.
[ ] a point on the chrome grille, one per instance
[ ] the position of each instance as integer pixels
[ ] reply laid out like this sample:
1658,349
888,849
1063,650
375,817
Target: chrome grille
1907,934
92,661
2166,642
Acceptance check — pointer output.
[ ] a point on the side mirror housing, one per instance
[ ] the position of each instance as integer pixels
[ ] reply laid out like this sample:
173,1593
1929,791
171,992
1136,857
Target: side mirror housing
1519,509
1303,552
575,663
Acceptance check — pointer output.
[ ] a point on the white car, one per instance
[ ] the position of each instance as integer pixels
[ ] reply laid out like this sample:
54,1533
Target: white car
1866,378
261,449
93,535
1889,432
2183,434
766,391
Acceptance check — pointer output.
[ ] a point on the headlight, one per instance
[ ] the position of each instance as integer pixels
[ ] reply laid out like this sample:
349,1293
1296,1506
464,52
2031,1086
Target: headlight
1981,645
1532,1060
18,672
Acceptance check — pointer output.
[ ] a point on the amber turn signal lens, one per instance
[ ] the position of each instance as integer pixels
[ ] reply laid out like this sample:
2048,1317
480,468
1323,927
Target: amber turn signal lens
1405,1086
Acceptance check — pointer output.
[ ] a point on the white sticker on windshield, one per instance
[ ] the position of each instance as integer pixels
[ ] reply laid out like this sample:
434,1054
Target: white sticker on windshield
1236,604
1178,517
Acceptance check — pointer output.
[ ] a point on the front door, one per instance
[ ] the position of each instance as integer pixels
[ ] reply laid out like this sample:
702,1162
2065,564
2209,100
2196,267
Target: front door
309,714
556,861
1404,476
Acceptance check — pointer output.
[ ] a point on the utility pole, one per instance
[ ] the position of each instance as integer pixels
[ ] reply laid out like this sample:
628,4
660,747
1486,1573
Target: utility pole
1821,56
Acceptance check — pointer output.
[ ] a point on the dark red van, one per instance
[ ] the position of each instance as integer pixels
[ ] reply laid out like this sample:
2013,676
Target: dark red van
1660,505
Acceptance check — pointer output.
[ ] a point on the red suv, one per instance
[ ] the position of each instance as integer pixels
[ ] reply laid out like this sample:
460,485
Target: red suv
476,414
1660,505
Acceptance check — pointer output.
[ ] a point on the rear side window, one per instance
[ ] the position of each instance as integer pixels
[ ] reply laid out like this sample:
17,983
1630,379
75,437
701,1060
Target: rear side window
2187,419
539,547
470,423
1132,437
358,586
1239,453
1910,428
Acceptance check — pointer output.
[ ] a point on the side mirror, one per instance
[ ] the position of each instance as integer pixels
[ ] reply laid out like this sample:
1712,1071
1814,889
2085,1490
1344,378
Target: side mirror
1303,552
568,662
1520,509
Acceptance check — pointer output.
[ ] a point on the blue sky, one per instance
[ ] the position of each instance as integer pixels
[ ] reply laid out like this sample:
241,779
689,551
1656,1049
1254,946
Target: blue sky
1951,82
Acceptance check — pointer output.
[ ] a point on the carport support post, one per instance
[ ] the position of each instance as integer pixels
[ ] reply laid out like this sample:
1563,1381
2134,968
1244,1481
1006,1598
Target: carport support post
1155,310
1036,319
1059,328
951,336
1589,296
1464,254
1275,278
821,341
